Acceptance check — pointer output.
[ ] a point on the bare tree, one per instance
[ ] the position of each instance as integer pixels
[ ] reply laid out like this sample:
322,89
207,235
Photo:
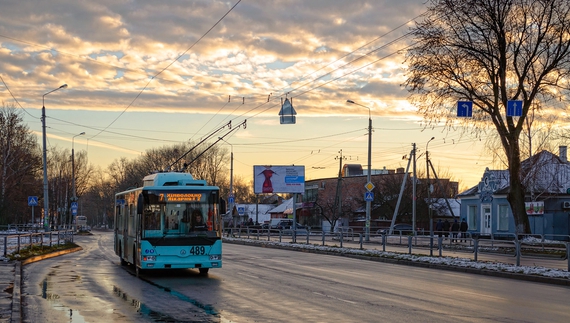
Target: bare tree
490,52
20,166
211,165
98,200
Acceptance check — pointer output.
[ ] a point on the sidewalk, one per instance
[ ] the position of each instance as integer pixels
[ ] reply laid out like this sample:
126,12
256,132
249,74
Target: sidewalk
10,284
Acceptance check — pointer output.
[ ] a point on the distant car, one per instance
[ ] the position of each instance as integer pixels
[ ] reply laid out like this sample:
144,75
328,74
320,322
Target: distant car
400,228
287,227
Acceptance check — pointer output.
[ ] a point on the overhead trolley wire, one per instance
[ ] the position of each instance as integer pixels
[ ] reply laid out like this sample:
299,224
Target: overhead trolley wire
165,68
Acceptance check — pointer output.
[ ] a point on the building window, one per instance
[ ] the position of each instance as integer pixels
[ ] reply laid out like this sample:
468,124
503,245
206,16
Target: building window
487,218
472,217
503,218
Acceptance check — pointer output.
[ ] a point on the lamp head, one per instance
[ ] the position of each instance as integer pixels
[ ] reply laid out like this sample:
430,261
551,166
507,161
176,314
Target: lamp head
63,86
349,101
81,134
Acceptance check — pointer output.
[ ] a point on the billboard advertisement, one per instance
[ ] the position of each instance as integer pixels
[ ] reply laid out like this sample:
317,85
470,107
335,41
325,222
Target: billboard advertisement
278,179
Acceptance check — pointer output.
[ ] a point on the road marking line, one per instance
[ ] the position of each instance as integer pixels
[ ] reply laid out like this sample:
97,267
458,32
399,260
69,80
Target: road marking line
249,275
335,298
478,294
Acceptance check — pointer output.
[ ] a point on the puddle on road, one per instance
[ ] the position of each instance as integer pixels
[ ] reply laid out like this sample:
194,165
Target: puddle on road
142,308
53,299
157,316
76,317
209,309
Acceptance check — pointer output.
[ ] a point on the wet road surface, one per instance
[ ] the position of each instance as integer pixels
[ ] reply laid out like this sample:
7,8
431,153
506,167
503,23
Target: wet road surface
271,285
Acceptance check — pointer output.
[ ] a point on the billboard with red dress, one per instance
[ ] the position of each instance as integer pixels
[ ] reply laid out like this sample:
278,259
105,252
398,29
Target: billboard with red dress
278,179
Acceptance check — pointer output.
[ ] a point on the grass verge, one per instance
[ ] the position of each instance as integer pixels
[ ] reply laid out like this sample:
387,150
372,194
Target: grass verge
36,250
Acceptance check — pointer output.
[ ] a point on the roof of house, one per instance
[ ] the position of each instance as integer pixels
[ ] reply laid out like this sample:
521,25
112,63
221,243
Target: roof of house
440,204
262,209
544,172
286,207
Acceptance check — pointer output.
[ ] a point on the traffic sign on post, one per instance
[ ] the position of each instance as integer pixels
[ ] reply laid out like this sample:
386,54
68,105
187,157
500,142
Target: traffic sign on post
32,201
514,108
464,108
369,196
74,208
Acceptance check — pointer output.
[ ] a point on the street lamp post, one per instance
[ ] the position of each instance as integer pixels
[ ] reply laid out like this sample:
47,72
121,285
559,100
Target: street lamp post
74,196
231,197
368,182
46,190
429,200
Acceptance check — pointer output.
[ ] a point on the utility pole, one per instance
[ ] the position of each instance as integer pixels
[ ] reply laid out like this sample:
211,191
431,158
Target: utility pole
337,202
414,196
429,200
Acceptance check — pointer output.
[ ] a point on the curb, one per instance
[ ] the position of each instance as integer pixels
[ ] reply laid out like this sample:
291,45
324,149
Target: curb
50,255
16,316
486,272
17,294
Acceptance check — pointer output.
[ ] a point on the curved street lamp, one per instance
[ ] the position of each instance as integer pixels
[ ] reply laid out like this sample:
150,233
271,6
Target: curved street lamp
367,234
46,190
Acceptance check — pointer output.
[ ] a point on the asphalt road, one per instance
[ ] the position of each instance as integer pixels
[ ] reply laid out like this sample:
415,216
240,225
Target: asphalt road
272,285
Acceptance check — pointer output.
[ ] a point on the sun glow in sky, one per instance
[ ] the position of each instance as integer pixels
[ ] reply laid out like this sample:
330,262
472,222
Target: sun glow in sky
144,74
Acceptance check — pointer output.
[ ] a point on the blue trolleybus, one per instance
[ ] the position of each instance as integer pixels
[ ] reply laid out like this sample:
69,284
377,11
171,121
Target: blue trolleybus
173,221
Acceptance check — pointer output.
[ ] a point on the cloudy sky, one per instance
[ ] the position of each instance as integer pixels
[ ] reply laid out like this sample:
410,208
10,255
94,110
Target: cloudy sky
144,74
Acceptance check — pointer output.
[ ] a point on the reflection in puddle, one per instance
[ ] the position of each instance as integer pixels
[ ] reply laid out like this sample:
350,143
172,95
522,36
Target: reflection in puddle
209,309
53,299
141,308
160,317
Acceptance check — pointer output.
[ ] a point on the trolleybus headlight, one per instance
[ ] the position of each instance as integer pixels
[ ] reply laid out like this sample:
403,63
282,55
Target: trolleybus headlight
149,258
215,257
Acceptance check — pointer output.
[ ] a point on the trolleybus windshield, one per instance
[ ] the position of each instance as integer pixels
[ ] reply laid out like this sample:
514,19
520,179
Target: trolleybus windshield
176,214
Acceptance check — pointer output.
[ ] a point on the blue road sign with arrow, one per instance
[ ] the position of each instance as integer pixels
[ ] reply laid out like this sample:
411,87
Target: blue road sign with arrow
32,201
514,108
464,108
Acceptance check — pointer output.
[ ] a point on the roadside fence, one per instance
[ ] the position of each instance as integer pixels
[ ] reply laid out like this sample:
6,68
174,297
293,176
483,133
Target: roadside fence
434,245
14,242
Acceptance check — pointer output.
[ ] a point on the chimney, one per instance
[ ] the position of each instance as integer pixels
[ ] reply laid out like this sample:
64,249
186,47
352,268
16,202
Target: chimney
563,153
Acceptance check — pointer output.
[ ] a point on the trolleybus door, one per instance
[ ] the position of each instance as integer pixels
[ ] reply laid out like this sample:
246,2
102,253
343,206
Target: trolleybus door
125,232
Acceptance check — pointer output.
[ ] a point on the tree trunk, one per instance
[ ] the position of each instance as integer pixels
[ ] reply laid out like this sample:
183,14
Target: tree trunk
516,193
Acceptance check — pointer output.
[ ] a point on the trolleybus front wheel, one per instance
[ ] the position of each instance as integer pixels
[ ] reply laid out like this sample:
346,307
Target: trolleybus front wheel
203,271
